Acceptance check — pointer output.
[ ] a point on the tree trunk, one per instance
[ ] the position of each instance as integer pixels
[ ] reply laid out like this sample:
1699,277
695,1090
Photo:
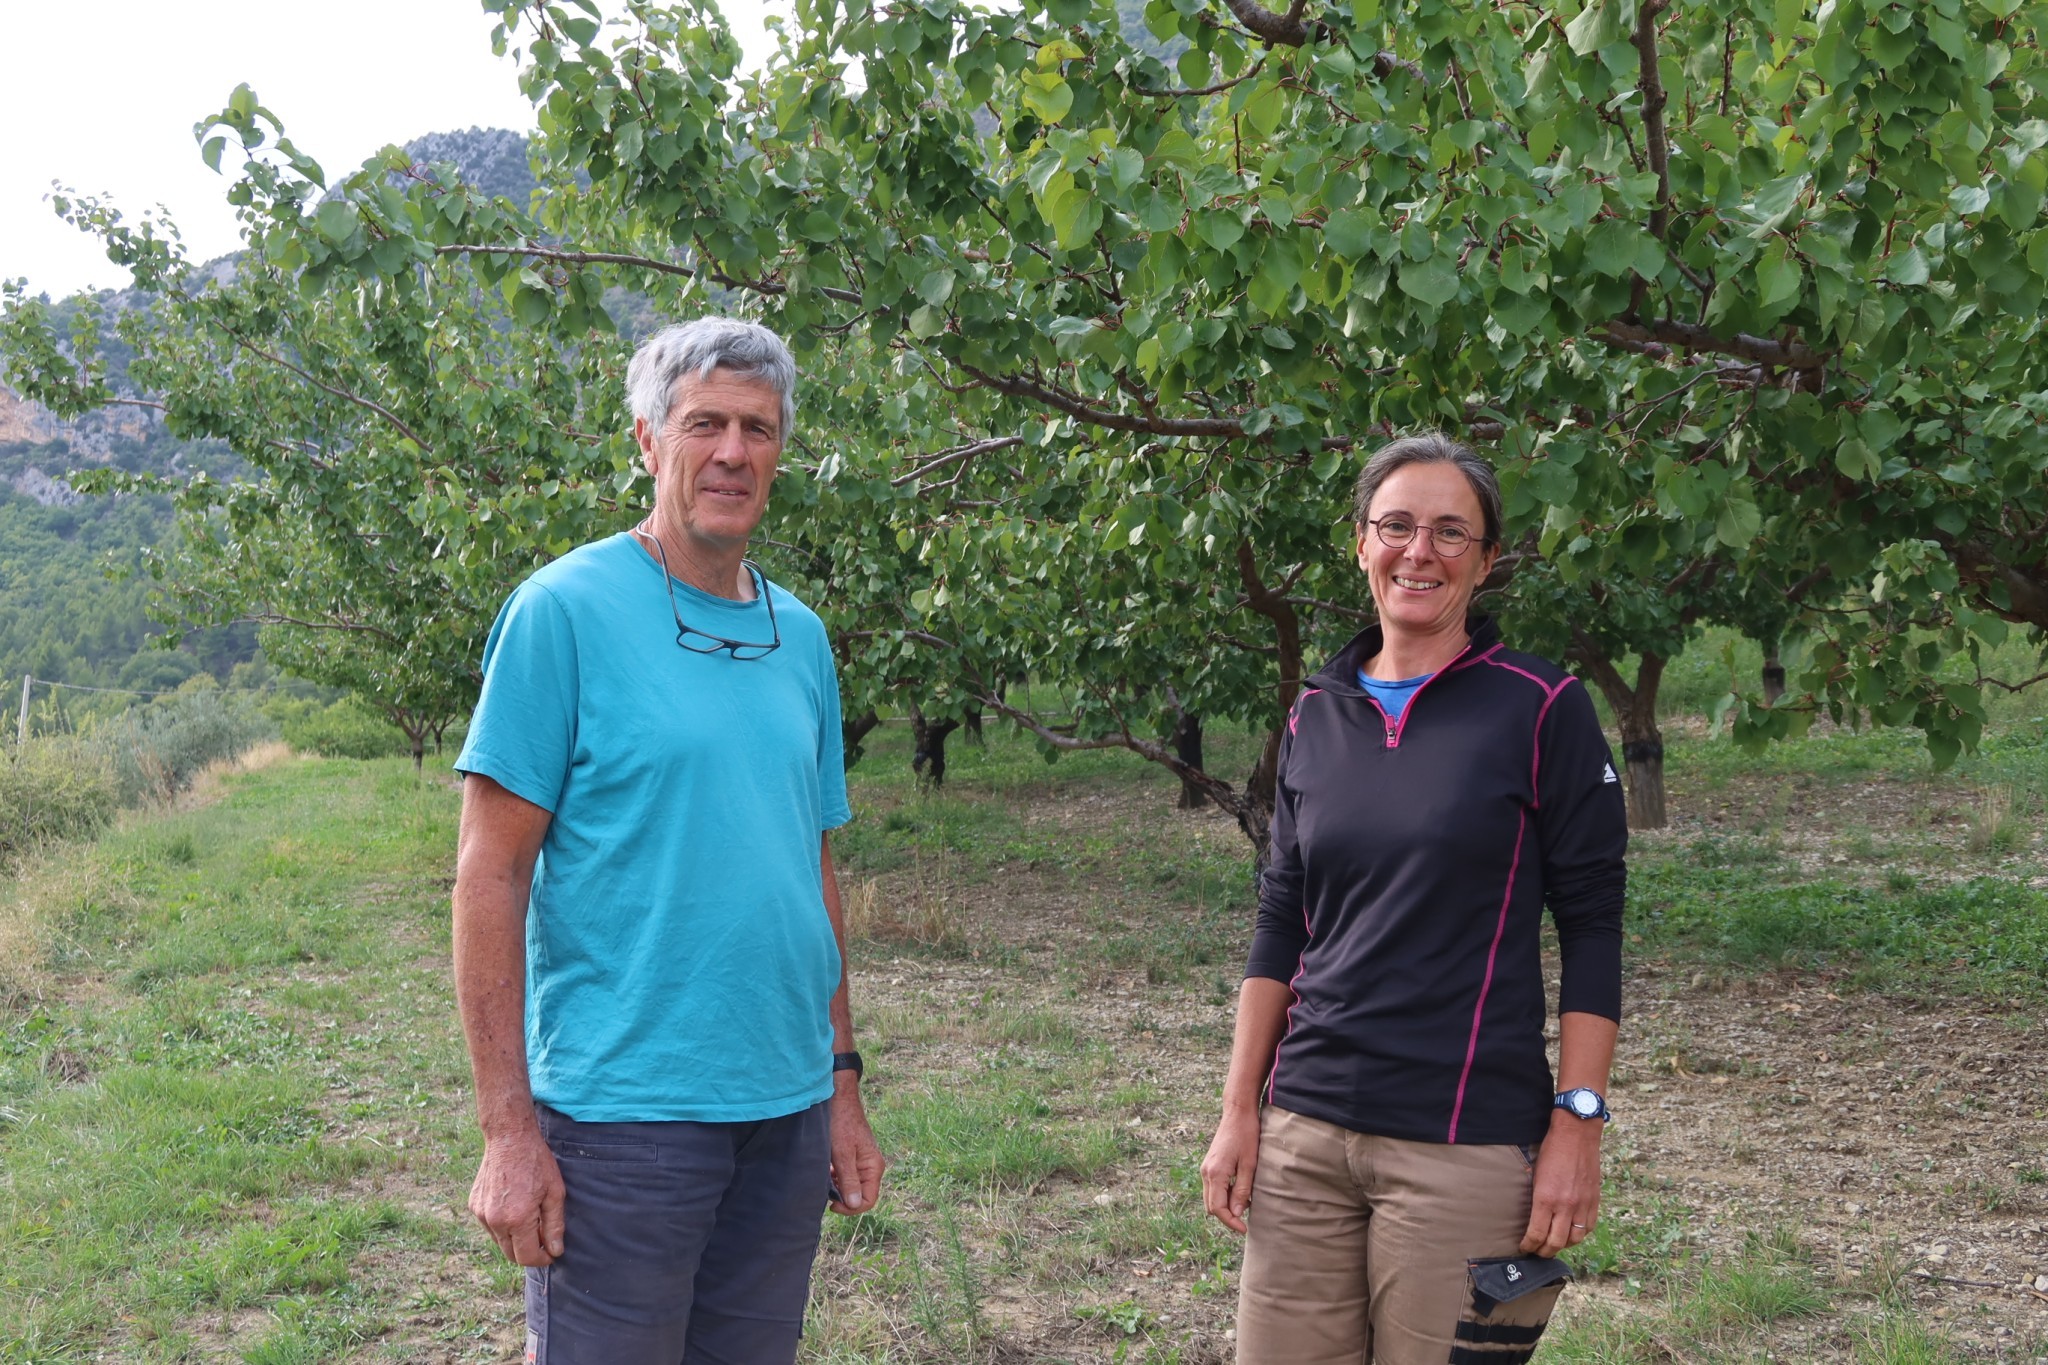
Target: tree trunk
1774,678
2016,591
852,730
1255,806
928,751
1255,812
416,730
1187,744
1635,712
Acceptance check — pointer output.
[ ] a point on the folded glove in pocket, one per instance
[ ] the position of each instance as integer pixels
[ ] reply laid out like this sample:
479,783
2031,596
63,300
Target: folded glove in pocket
1503,1279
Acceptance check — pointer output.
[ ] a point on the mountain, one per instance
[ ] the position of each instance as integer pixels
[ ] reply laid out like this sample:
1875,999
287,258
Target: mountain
490,159
61,616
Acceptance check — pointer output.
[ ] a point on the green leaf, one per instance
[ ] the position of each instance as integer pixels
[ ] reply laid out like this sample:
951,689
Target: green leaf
1855,461
1600,23
936,287
1908,267
927,321
1738,523
1611,247
1265,109
1775,201
336,220
1969,199
532,306
1125,165
1777,275
1220,228
1059,50
1349,233
1047,96
1433,282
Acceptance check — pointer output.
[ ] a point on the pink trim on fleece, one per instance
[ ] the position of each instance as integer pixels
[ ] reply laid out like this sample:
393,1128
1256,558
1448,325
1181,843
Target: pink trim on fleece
1300,966
1536,740
1479,1009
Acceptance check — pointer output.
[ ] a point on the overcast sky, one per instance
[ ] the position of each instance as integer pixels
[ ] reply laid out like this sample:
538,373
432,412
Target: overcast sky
103,98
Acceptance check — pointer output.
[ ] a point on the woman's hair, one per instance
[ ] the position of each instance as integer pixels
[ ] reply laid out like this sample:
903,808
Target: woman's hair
698,347
1429,447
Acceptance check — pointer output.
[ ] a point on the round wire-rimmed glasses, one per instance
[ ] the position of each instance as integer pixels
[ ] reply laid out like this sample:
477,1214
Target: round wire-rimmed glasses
1450,539
703,641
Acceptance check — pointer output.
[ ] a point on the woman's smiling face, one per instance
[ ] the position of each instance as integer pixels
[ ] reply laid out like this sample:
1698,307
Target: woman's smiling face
1418,591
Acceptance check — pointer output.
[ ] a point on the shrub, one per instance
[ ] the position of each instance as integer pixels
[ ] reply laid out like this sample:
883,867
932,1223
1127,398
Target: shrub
53,789
348,728
156,750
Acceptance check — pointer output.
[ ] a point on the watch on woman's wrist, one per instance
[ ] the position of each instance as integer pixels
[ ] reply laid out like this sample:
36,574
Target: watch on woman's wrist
1582,1103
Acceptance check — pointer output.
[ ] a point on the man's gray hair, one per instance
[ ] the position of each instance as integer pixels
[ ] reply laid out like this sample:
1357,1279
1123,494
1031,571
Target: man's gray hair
698,347
1429,447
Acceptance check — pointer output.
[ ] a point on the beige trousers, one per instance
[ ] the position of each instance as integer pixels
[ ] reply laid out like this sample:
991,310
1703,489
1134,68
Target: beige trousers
1360,1249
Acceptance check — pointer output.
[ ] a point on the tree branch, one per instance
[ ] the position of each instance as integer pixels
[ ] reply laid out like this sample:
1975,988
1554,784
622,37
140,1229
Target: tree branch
1281,30
1355,613
1017,386
958,453
271,618
368,404
1216,89
1216,789
544,253
1635,335
1654,99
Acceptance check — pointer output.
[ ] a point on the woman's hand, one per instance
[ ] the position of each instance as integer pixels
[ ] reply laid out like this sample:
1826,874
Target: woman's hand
1228,1168
1565,1206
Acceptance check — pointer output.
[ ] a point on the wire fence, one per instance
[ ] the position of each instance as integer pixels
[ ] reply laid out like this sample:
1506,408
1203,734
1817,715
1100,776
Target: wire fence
29,682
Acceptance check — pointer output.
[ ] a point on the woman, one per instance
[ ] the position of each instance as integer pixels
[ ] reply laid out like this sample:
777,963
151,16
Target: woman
1390,1129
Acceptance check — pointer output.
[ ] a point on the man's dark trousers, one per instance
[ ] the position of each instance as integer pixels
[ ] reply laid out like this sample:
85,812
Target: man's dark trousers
684,1243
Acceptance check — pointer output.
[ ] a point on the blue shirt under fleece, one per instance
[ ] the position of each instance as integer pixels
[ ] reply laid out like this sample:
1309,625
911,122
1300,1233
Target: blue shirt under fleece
1392,696
679,960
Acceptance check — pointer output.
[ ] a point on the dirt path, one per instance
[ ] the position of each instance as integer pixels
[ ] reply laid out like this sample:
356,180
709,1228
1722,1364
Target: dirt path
1902,1142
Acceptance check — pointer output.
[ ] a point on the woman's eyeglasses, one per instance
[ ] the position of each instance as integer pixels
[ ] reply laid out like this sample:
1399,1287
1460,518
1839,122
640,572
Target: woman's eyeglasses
1450,539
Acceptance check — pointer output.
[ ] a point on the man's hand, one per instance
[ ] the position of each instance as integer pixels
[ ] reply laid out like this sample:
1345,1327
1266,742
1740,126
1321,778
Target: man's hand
518,1197
1565,1206
1228,1169
857,1162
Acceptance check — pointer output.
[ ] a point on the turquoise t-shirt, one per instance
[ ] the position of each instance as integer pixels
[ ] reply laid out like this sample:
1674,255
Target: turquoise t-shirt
1392,696
679,960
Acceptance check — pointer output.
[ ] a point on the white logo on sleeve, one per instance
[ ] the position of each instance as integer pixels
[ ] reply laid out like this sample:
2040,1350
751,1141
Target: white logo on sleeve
1609,775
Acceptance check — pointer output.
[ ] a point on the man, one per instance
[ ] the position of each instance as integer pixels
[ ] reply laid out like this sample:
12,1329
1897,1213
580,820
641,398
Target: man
648,943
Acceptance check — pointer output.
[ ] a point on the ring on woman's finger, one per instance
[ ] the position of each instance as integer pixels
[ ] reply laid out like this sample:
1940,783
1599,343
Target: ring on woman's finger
1580,1226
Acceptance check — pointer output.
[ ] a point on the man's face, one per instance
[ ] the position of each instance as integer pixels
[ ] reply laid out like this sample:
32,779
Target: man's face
714,458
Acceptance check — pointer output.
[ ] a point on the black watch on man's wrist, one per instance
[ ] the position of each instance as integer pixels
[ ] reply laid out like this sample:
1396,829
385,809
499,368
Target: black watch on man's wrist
848,1061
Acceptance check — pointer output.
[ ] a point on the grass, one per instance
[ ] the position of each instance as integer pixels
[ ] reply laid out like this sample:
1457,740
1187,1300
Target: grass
234,1104
250,1005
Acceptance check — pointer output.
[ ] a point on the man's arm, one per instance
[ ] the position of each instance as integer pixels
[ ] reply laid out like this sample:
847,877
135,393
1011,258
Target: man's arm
857,1161
518,1191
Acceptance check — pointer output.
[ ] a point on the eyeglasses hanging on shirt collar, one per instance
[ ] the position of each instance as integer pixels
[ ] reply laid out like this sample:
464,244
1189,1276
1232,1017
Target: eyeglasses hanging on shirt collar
703,641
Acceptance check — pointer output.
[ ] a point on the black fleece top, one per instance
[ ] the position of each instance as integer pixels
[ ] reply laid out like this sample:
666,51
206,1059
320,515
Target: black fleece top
1410,865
